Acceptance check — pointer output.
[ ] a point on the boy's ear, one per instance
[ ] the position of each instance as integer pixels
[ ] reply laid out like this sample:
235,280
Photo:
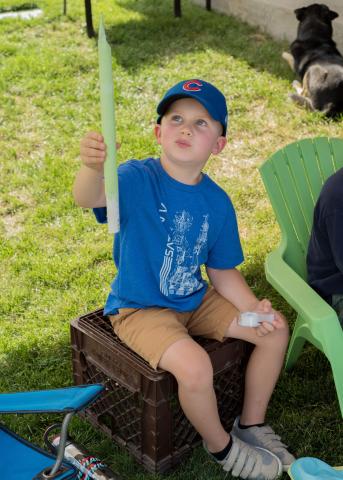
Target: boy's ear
220,144
157,132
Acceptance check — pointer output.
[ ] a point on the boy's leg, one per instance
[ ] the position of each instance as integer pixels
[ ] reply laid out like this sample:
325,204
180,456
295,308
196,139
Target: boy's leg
192,368
263,369
160,336
217,318
262,372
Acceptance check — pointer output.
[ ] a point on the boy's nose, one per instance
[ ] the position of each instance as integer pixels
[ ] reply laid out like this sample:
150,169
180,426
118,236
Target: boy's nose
186,131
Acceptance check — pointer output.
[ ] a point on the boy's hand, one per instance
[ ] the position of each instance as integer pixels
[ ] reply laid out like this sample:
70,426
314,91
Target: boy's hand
93,151
265,306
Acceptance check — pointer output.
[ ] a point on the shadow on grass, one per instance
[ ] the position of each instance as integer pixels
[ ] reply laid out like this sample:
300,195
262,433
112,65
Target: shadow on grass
158,36
305,409
35,365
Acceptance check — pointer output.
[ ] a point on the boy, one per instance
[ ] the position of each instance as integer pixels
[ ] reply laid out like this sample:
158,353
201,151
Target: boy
173,220
325,250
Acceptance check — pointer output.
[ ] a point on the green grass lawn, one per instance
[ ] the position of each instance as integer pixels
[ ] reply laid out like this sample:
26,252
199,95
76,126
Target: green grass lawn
56,261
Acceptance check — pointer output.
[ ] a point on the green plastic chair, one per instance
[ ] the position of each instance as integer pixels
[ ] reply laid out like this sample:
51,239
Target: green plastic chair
293,178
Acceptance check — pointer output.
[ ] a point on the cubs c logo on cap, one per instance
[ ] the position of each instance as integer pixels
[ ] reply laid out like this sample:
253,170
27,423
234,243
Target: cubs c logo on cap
192,86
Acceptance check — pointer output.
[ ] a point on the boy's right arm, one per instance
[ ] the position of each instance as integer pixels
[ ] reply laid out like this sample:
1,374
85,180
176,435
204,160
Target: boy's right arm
89,185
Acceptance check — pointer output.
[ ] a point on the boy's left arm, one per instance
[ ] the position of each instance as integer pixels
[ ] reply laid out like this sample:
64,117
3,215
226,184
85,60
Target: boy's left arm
230,284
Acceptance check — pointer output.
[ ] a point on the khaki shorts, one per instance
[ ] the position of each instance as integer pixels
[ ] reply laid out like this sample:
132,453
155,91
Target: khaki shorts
150,331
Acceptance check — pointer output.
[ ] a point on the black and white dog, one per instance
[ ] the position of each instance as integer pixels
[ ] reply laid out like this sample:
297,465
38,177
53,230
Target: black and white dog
317,62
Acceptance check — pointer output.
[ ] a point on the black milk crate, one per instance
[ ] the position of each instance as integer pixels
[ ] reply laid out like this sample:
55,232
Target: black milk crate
140,408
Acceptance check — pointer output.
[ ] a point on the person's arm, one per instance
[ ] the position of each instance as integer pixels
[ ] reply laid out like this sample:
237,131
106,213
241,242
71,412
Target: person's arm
89,185
230,284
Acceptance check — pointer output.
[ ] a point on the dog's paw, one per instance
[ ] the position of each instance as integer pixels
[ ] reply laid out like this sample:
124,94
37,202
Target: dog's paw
300,100
297,86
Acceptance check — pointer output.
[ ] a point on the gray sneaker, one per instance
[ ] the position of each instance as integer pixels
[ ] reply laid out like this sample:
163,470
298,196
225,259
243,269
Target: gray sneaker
249,462
265,437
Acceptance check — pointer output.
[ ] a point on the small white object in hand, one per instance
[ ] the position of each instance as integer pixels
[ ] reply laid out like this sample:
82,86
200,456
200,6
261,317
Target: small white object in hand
253,319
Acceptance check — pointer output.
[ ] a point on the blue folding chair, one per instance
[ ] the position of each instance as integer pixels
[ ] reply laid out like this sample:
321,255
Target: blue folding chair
309,468
20,459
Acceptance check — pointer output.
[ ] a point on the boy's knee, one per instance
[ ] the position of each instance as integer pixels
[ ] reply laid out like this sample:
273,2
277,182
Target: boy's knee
277,339
198,375
280,336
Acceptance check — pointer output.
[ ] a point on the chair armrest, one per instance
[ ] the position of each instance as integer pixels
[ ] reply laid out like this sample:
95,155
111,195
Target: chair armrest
302,298
61,400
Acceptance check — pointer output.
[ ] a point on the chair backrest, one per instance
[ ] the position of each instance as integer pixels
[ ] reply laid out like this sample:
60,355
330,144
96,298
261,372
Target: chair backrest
293,178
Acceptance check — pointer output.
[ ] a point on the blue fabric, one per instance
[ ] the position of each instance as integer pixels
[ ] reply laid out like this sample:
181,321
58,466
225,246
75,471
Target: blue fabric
325,250
20,460
57,400
167,231
308,468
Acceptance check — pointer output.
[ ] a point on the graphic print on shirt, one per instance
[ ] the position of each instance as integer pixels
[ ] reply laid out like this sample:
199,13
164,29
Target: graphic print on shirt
181,259
162,210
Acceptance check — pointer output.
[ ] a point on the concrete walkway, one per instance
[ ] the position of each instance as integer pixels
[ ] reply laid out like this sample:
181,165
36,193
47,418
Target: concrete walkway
276,17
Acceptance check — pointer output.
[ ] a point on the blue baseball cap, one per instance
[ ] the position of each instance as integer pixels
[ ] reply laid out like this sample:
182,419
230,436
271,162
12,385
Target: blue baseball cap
207,94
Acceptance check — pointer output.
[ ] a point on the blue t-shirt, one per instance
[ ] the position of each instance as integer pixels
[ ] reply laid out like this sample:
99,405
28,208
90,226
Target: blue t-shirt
167,231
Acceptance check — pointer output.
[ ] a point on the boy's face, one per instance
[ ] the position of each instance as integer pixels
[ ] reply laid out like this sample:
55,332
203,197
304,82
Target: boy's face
188,134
